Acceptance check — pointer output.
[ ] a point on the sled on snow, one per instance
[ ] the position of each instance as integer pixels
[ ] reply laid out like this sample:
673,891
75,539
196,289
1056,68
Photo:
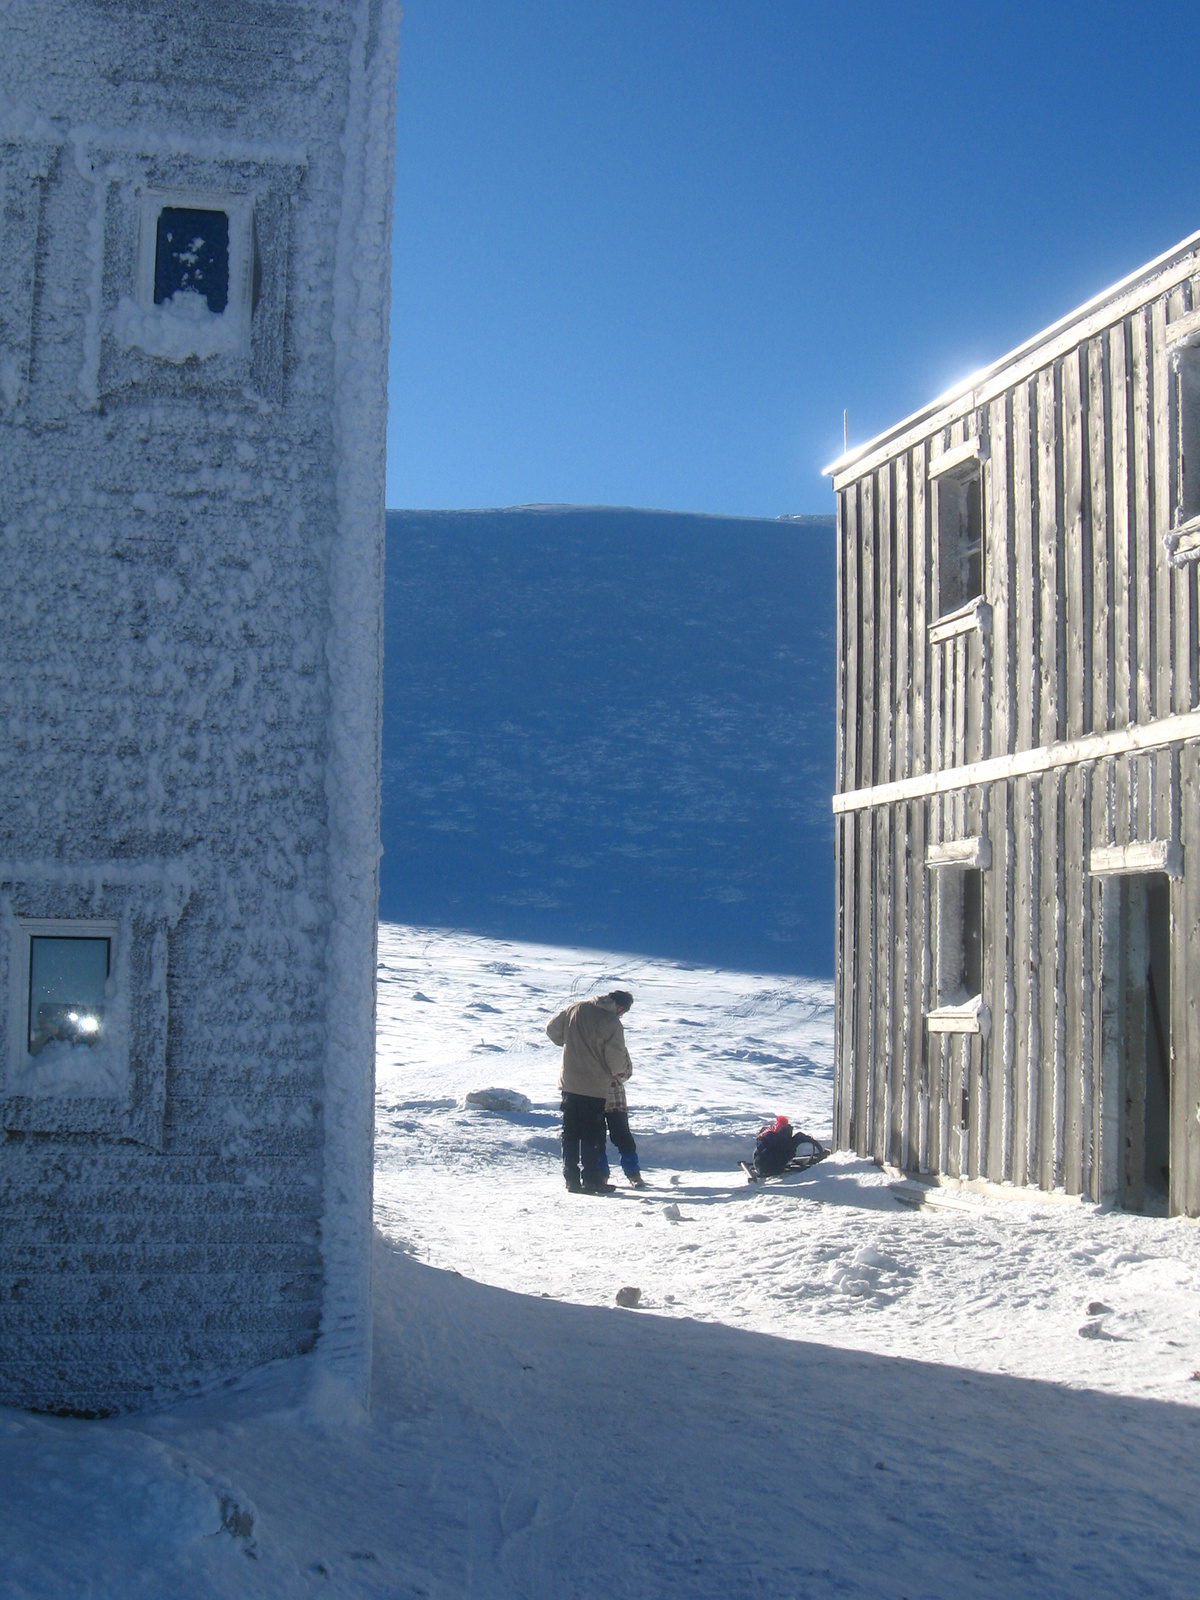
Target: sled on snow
781,1148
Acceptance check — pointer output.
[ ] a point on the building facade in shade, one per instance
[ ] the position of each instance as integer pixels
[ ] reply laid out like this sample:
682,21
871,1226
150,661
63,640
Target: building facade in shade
1018,764
194,232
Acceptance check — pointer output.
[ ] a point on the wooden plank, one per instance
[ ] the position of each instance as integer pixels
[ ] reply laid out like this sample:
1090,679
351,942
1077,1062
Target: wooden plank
1182,581
848,1057
1185,1002
1136,739
1024,598
1124,580
975,1139
885,590
1051,616
1028,923
1160,514
1108,1118
1099,426
853,611
1143,532
920,546
904,636
868,658
864,999
1076,1062
939,1101
1162,576
1077,551
957,1076
885,626
902,867
1134,962
1047,1060
1124,555
839,975
918,994
881,1065
868,904
852,720
840,783
998,578
921,567
1143,772
996,985
1097,808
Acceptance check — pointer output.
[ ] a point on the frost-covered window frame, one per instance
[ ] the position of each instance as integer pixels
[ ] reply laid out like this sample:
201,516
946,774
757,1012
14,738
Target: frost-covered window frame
101,1074
137,910
959,874
250,357
229,331
959,518
1183,350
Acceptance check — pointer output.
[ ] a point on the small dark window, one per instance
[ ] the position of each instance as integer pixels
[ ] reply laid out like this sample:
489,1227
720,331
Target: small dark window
960,540
972,930
960,935
67,979
192,254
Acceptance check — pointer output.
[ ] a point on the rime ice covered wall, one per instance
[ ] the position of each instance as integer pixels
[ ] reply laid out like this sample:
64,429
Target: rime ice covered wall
189,686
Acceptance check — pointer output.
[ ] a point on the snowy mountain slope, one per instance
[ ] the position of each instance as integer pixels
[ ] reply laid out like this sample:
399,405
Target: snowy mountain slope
612,728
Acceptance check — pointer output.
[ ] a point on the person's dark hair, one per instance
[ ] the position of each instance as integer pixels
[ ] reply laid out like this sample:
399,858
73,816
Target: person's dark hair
620,998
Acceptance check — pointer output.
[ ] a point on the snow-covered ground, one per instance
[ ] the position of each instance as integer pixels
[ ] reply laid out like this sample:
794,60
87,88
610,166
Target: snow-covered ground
824,1393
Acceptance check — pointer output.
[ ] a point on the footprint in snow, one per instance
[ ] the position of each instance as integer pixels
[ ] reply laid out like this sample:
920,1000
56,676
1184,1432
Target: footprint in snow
869,1275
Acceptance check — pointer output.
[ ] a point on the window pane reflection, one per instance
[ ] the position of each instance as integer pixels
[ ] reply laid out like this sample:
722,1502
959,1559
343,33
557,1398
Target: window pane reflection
66,990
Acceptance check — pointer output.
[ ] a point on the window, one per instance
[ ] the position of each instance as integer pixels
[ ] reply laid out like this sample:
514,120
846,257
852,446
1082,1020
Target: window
960,538
960,936
83,990
197,277
191,255
67,982
68,1010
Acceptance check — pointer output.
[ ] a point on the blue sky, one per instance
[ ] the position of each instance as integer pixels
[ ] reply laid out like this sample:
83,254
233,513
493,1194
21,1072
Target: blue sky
645,253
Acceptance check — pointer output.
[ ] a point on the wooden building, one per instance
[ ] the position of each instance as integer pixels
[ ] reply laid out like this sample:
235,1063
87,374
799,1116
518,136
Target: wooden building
1018,764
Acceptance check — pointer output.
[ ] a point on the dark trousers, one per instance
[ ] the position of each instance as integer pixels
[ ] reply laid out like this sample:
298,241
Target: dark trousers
618,1132
582,1137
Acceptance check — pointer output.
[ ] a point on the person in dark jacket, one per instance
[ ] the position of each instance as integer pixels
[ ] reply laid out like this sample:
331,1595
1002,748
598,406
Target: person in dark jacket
775,1147
593,1056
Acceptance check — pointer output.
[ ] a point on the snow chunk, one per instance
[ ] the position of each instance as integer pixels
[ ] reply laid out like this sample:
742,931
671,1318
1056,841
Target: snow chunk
869,1275
180,329
497,1100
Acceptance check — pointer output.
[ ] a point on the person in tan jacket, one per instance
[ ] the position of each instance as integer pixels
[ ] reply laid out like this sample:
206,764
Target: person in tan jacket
593,1057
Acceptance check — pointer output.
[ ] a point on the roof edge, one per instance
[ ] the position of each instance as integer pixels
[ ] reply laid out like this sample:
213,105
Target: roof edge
964,386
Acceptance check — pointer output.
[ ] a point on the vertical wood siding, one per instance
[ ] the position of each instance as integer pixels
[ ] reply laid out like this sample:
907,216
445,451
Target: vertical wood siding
1090,629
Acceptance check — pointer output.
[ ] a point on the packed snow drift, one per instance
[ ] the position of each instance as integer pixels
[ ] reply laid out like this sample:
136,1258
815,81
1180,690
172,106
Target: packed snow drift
710,1388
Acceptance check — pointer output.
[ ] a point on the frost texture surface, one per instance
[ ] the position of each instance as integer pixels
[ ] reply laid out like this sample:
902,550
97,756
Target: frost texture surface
191,527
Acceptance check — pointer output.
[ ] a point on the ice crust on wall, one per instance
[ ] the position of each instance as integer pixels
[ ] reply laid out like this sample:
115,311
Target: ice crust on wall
189,684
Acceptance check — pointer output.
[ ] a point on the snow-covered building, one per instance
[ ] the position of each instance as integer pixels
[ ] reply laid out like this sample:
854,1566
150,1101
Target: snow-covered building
195,209
1018,763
